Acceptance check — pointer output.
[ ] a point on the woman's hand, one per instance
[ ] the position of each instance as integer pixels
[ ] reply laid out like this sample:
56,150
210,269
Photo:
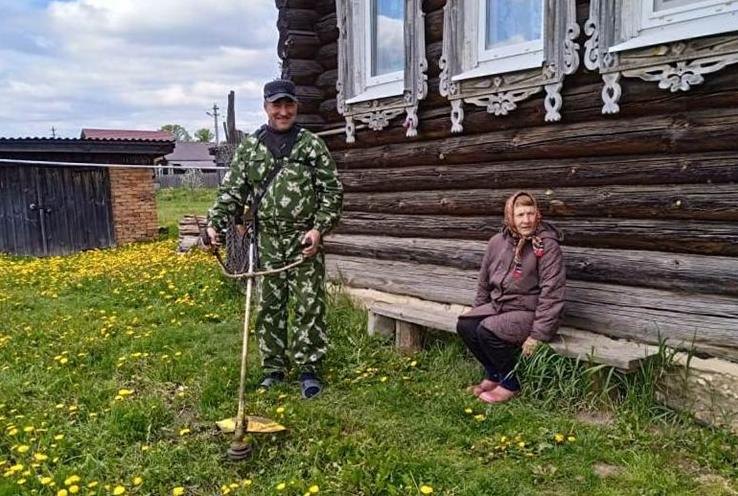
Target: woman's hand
530,345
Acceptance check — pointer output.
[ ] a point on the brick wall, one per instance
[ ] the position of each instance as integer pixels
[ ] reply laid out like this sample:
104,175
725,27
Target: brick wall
134,205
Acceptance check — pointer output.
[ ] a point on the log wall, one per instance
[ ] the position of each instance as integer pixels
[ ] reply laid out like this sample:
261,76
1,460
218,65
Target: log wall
647,198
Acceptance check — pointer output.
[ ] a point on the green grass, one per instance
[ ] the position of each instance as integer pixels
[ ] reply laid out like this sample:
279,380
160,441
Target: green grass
174,203
77,330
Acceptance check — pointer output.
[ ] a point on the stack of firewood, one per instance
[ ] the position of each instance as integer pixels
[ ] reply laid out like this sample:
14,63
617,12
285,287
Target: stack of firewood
189,232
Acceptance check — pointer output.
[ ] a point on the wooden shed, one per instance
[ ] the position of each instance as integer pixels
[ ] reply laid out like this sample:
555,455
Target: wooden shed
628,139
58,196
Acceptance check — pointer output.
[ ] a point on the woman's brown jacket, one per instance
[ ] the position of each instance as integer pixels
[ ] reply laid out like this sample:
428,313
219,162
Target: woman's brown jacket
531,305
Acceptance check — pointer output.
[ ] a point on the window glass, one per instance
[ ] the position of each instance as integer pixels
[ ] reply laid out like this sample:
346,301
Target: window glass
387,38
510,22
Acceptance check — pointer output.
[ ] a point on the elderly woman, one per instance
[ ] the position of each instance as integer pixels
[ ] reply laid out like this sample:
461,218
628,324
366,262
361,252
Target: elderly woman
520,297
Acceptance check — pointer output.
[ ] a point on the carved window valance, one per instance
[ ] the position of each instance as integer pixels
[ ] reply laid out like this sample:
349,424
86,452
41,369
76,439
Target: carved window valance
675,65
357,99
494,86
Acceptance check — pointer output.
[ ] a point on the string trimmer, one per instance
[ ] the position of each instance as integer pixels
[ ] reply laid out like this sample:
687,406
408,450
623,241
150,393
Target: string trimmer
240,447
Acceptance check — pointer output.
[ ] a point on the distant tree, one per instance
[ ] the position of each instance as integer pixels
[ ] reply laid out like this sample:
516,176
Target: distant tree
204,135
179,133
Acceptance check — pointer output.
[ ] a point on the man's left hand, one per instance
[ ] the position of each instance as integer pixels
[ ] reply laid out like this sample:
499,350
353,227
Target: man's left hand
312,242
529,346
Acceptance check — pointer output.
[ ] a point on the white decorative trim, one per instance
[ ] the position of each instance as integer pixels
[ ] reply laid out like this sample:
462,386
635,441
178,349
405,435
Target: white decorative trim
553,102
675,66
682,75
611,93
499,93
378,112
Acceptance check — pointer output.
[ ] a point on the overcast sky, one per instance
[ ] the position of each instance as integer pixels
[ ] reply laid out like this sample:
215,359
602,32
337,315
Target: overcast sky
132,64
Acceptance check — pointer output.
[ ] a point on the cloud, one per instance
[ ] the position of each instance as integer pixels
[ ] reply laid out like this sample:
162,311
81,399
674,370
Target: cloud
132,63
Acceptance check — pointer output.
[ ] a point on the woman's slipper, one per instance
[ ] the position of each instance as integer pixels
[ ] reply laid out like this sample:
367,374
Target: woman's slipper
499,394
485,385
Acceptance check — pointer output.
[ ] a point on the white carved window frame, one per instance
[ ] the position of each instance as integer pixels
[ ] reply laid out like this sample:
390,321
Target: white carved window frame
376,105
625,39
498,85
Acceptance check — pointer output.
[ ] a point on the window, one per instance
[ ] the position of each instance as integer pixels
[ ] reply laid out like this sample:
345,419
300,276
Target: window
381,62
499,52
674,43
662,21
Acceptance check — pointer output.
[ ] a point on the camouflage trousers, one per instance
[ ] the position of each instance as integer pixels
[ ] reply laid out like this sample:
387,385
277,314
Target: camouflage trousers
302,289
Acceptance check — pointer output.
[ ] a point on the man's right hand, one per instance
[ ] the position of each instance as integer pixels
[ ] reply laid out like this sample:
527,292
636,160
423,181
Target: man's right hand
214,239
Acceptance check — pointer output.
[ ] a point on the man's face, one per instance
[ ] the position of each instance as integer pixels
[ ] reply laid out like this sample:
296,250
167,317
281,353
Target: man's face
281,114
525,220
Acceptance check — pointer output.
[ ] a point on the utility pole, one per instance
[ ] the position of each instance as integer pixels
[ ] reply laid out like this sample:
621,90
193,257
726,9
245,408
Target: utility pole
214,114
53,132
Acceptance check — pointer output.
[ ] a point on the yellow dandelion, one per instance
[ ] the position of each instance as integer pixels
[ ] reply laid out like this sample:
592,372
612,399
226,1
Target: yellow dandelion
93,484
29,428
178,491
281,486
58,437
72,479
314,489
137,481
571,439
63,360
425,489
280,409
22,448
521,444
468,410
125,392
184,432
413,363
246,482
479,417
62,492
119,490
20,482
73,489
559,438
45,481
40,457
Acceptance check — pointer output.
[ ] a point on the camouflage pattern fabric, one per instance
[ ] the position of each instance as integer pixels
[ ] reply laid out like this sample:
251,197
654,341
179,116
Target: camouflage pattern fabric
305,194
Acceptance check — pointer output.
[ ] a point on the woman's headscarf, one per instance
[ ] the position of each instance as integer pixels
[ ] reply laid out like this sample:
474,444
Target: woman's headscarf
536,242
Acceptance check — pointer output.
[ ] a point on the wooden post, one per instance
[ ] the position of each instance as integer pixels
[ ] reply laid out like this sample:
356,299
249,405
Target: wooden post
380,325
408,337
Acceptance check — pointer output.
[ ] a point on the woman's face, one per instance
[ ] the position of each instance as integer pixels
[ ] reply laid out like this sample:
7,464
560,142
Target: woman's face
525,220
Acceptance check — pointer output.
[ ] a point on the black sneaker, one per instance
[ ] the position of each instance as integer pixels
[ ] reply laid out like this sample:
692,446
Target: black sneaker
310,386
272,379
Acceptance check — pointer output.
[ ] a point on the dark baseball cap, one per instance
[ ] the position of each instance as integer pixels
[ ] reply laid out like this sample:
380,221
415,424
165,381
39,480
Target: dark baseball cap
279,88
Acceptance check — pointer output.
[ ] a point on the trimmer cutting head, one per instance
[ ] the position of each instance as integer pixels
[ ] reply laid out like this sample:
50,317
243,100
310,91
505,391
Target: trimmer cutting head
239,450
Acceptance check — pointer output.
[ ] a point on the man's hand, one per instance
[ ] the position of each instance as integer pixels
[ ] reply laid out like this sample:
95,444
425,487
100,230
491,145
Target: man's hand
312,242
214,241
529,346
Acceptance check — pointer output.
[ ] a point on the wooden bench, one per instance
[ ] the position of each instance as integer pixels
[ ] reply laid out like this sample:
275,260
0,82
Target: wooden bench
407,322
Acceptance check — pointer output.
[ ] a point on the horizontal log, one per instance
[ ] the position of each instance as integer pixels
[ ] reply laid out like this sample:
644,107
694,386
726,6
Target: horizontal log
299,19
301,72
660,270
314,122
431,5
720,167
687,201
433,26
324,7
699,237
327,81
701,131
327,29
297,45
295,4
328,55
309,97
329,112
707,322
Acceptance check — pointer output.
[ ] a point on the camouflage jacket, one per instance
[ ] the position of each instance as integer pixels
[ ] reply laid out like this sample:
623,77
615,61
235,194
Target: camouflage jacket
305,194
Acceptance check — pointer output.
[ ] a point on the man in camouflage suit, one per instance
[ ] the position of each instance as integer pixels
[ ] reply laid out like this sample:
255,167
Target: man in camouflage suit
300,204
